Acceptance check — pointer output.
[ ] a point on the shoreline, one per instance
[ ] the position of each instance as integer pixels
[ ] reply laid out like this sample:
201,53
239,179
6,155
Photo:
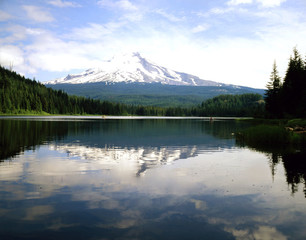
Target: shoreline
104,117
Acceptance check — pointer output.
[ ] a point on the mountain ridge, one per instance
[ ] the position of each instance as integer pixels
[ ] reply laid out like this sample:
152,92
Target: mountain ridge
133,68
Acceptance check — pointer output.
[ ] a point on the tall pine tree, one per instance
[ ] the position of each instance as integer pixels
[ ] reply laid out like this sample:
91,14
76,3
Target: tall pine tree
294,88
272,95
288,99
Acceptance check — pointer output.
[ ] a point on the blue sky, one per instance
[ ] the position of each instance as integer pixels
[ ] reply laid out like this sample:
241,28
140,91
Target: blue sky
230,41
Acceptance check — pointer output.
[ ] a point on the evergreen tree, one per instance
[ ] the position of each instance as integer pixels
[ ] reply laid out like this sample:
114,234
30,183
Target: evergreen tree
273,94
294,87
275,80
288,99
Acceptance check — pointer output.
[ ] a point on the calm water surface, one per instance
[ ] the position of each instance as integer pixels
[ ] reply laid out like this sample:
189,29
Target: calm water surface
145,179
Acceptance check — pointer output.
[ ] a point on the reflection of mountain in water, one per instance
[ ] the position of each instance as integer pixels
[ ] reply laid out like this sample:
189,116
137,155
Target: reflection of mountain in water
148,143
143,158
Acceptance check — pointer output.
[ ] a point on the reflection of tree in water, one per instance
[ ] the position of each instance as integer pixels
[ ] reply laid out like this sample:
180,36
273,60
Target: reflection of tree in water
20,135
294,165
274,159
281,147
223,129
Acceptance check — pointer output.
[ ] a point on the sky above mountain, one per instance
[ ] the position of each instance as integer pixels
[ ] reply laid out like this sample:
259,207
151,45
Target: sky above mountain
229,41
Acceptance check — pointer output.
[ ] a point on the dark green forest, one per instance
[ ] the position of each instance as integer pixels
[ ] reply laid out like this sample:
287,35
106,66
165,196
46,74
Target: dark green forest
234,105
287,98
151,94
19,95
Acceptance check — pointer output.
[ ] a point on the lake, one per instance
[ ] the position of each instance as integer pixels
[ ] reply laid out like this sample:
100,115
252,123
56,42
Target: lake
94,178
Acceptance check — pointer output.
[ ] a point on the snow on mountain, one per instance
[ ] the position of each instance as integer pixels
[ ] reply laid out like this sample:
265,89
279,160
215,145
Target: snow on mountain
132,68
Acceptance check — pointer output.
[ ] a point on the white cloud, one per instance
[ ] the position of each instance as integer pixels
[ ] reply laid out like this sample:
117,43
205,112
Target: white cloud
94,31
13,56
4,16
173,43
239,58
237,2
200,28
169,16
60,3
38,14
58,61
134,16
34,31
16,33
121,4
12,33
271,3
51,53
264,3
219,11
10,54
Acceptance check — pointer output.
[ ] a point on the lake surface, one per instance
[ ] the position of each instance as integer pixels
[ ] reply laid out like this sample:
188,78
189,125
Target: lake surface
93,178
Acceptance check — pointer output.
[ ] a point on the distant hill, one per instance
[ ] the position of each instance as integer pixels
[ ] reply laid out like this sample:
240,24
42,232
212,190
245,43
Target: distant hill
151,94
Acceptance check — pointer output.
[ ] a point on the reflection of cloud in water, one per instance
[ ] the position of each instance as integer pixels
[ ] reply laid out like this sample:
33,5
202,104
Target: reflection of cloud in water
34,213
58,225
141,158
10,170
173,191
261,232
199,204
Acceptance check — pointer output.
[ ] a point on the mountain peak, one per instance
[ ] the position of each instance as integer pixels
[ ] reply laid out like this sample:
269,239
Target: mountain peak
136,54
132,67
126,58
126,55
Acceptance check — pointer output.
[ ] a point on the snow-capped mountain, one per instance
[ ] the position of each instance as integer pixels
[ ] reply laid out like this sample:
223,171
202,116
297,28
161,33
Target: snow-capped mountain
132,68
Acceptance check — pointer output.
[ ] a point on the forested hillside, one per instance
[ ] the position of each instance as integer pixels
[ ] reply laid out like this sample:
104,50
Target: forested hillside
19,95
151,94
234,105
